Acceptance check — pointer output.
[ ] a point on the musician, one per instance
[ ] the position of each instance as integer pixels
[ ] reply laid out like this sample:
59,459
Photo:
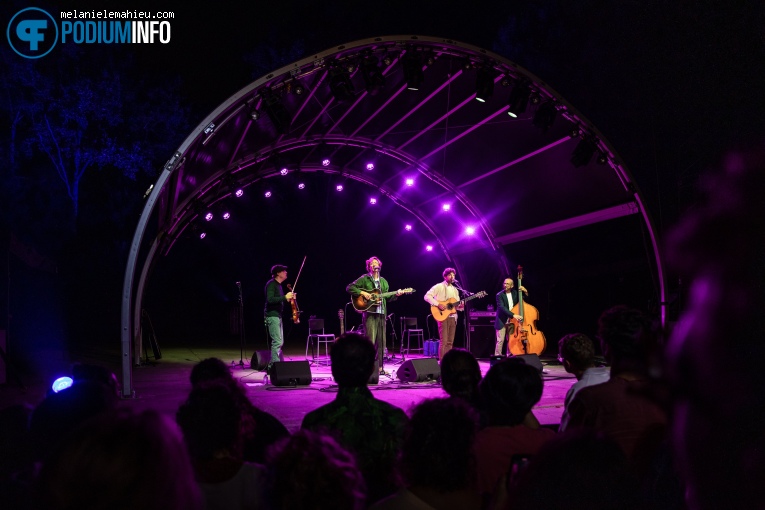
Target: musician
506,299
275,299
374,318
437,294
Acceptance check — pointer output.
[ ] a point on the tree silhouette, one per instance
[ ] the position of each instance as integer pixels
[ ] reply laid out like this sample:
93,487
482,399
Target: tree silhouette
83,117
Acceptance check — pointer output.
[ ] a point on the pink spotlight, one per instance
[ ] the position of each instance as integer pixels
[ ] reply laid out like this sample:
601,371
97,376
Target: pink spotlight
410,182
446,207
301,186
226,215
339,187
238,193
208,216
373,201
429,248
325,162
202,235
408,228
470,231
268,194
283,171
370,166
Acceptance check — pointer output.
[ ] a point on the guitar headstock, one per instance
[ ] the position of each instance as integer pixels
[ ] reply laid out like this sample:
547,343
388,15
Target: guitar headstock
341,314
481,294
407,290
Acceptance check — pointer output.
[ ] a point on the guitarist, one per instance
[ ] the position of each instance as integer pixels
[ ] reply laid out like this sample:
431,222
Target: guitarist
506,299
435,296
374,317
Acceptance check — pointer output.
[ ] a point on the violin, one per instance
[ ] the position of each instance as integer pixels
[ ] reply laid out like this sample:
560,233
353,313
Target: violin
295,309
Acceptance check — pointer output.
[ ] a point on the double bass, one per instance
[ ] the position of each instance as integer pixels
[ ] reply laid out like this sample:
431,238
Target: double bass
525,338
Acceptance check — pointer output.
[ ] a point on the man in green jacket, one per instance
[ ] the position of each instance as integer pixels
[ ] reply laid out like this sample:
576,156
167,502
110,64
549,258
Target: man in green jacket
372,287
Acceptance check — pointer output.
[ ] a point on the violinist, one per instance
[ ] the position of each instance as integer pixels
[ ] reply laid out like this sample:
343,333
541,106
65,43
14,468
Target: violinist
275,299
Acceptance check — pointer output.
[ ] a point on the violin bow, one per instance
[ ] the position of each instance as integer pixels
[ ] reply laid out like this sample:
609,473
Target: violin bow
298,275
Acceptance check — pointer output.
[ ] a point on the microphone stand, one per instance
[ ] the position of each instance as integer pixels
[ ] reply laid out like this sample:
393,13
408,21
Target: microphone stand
400,344
464,322
241,326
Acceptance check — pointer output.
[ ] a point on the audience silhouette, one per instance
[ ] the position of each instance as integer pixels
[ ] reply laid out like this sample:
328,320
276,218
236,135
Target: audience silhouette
312,471
438,461
372,429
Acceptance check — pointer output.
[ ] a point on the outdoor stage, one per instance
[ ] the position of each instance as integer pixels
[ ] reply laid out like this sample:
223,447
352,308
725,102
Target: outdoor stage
164,384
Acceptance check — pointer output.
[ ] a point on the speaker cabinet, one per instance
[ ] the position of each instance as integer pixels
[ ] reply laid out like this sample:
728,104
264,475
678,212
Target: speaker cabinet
483,340
290,373
261,359
530,359
418,370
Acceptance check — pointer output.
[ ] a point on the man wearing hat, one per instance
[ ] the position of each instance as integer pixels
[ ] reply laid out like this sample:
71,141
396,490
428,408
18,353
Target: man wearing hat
275,299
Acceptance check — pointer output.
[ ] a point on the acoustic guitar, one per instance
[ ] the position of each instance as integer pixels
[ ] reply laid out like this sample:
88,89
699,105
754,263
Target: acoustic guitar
451,305
362,304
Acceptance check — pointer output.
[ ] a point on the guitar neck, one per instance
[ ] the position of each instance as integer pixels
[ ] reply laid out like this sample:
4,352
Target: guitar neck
465,300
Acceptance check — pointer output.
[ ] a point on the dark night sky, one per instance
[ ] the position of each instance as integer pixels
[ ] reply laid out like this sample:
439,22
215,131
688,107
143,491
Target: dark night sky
672,85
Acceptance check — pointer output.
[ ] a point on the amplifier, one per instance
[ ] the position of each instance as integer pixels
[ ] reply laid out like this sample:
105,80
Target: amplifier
482,340
480,314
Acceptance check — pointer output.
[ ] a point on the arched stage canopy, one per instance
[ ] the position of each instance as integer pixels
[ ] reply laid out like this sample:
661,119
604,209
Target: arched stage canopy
377,112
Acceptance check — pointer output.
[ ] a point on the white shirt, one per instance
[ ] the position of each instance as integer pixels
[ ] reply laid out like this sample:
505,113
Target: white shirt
591,377
442,292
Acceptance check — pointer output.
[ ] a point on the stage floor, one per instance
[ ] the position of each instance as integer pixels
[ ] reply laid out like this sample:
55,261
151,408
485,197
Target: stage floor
164,384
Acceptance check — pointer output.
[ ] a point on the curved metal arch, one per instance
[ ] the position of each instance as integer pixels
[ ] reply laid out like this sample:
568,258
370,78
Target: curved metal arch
282,79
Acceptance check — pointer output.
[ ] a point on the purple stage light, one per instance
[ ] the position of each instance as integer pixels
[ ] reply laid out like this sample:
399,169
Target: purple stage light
325,162
283,171
238,193
301,186
208,216
429,248
373,201
470,231
410,182
226,215
446,207
268,194
202,235
408,228
370,166
339,187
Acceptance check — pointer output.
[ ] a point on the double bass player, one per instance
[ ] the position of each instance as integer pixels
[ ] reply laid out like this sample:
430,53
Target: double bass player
506,299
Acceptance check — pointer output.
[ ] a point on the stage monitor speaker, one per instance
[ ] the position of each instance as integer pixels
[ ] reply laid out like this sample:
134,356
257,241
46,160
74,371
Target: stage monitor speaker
290,373
261,359
483,340
530,359
418,370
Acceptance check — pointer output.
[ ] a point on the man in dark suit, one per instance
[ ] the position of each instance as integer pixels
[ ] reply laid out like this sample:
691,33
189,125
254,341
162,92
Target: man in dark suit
506,299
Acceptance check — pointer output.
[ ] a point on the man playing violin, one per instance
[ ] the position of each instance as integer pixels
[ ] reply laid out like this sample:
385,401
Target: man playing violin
437,294
275,299
506,299
374,317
